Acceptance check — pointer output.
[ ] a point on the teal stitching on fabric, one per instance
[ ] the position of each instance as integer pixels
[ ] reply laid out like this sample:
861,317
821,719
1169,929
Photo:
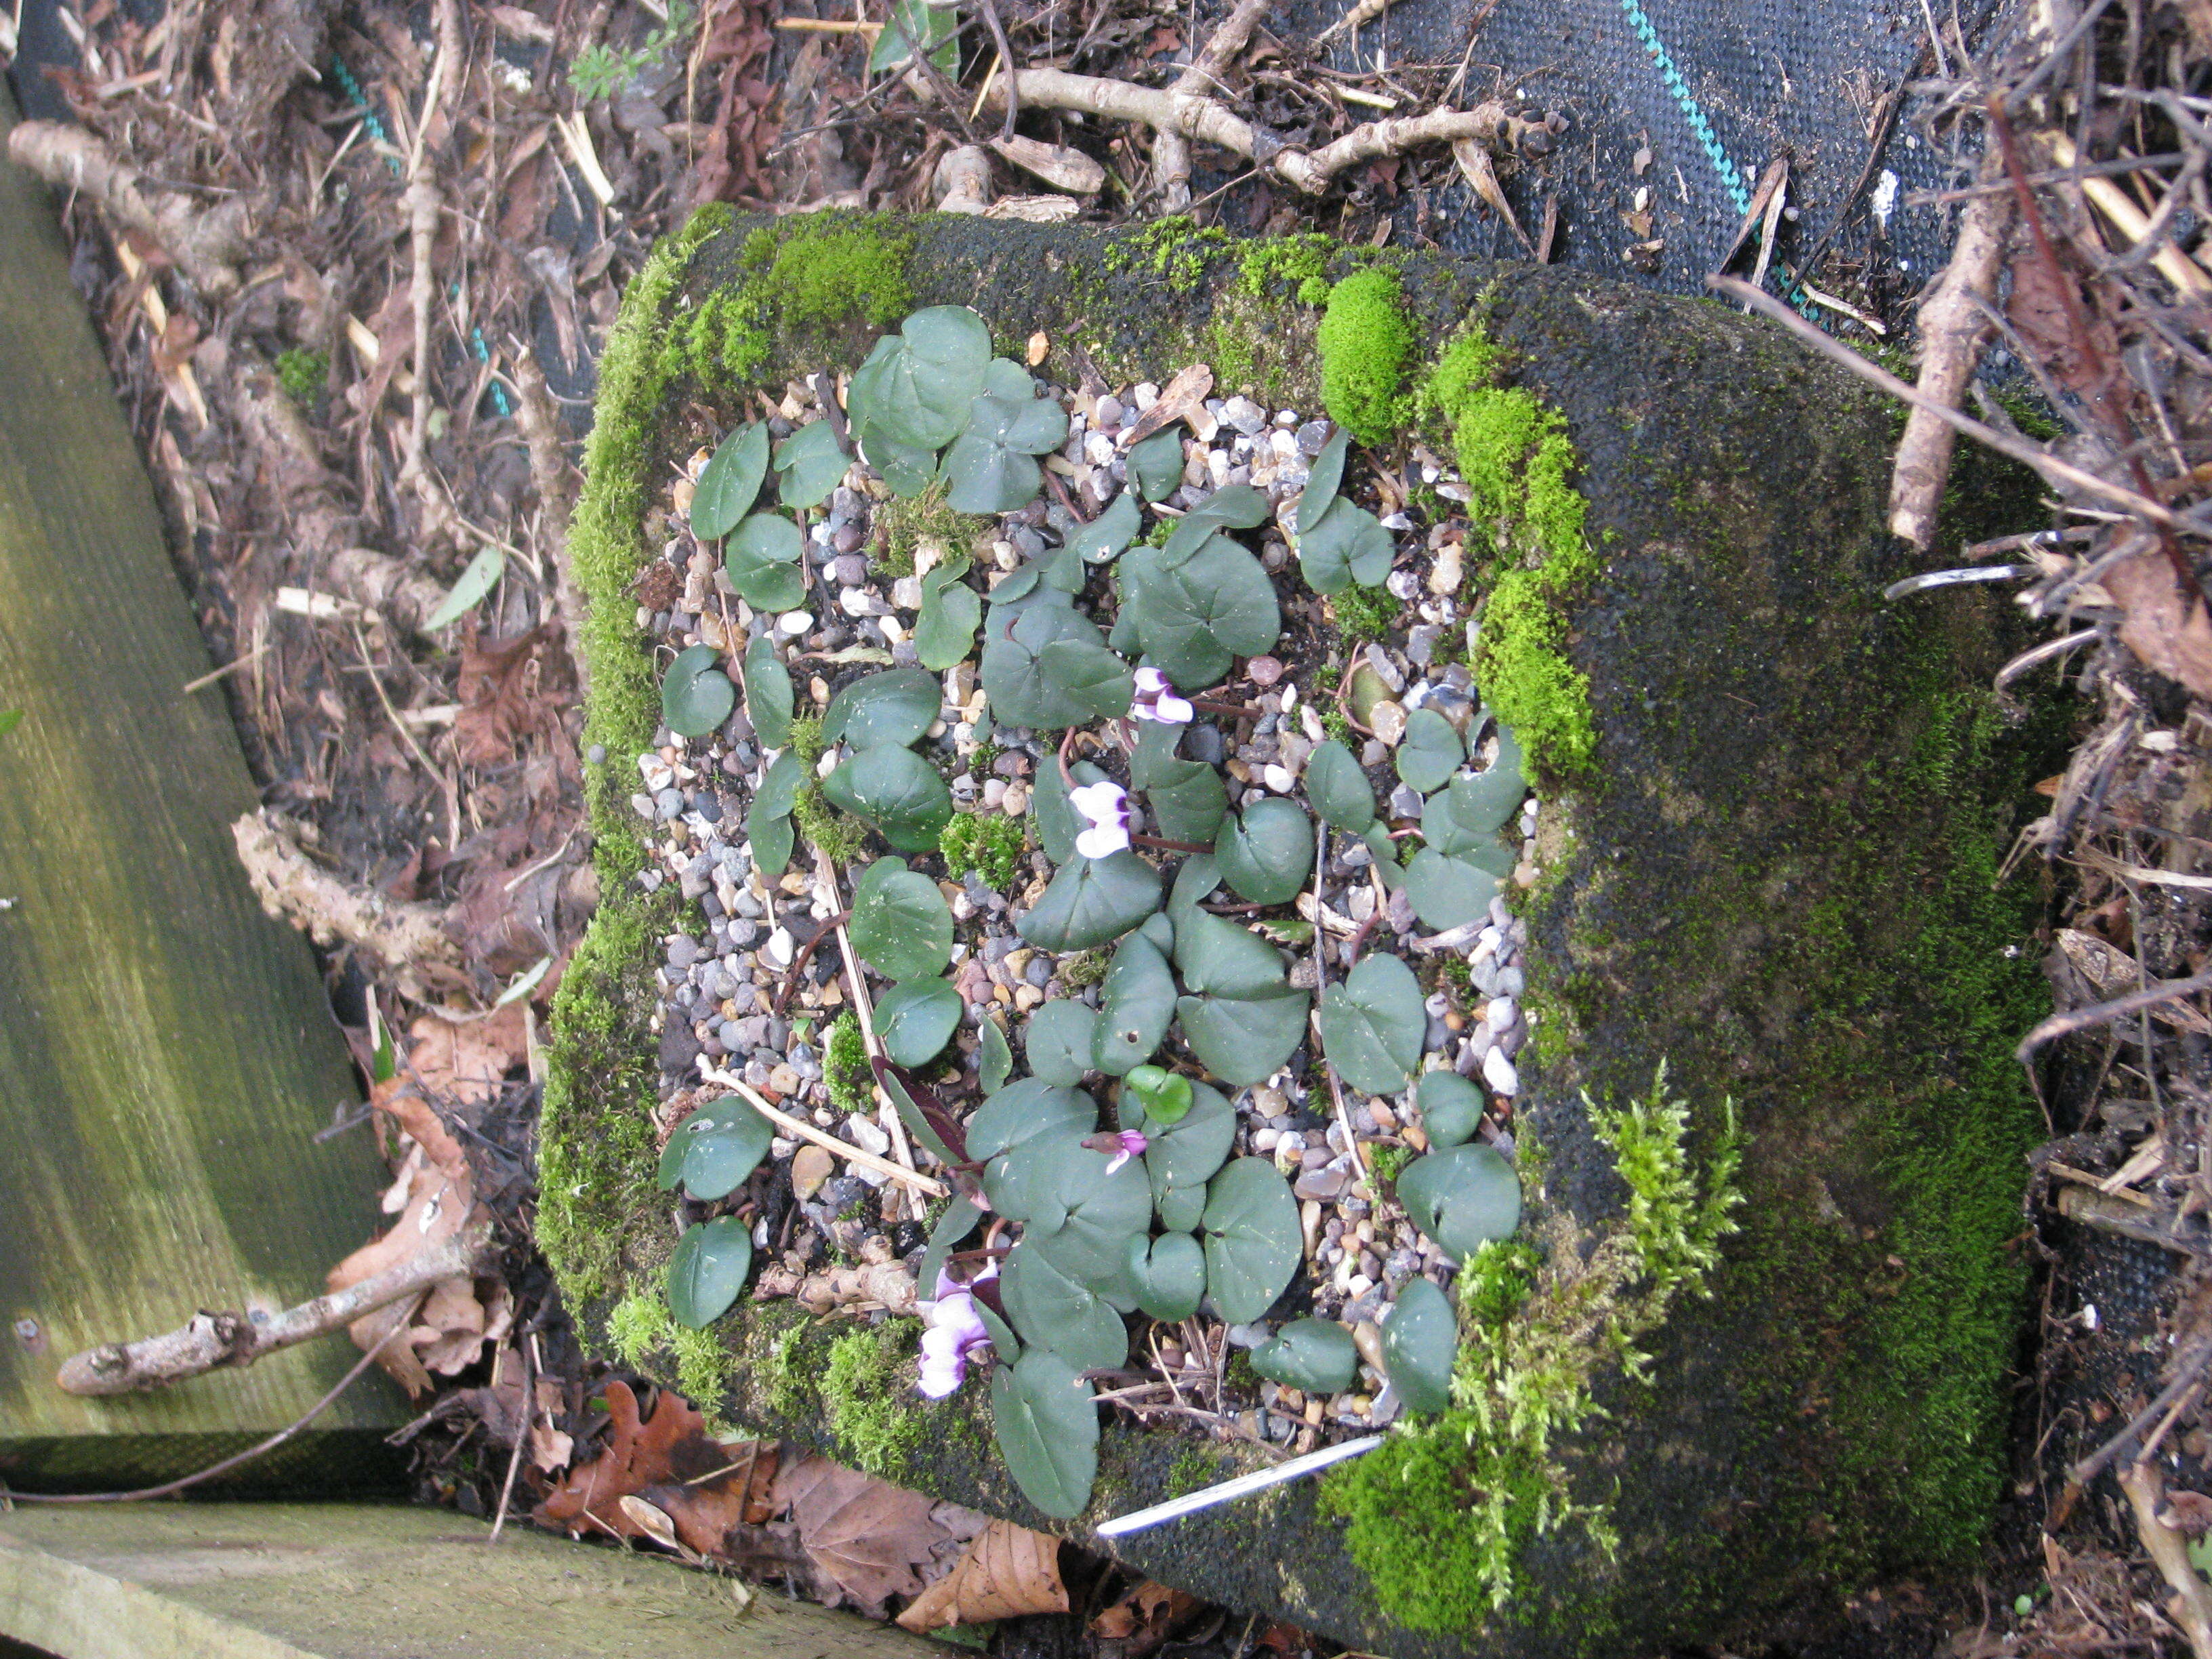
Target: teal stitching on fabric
1692,111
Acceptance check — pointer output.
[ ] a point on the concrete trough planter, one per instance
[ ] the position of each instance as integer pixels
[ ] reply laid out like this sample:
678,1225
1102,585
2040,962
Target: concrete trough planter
1773,809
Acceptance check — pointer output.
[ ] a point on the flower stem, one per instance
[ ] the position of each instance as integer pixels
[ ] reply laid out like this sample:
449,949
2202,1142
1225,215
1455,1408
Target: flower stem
1167,846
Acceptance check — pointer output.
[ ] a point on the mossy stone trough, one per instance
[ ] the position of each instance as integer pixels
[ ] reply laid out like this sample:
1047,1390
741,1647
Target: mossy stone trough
1781,803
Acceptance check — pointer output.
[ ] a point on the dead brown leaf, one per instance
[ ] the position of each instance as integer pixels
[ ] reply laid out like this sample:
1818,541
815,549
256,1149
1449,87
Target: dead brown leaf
671,1446
2169,631
466,1062
1007,1572
865,1540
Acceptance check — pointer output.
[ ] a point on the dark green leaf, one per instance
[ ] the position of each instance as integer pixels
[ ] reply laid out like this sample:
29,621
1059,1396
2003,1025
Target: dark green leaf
1463,1197
1156,464
1081,671
1153,760
1266,853
1253,1244
918,394
1451,1109
944,630
895,791
1220,603
1048,1432
888,710
1449,892
1161,932
1430,752
772,839
1052,1310
1384,851
1219,958
986,477
1091,901
1315,1355
1105,536
1169,1274
1004,1342
811,464
714,1149
916,24
1348,545
1008,381
1484,803
1238,506
994,1060
768,693
915,1019
707,1271
695,696
1022,689
1323,479
778,788
1179,1207
1373,1023
1243,1040
1420,1342
1057,1041
1030,425
1057,824
1194,883
764,583
1138,1007
1189,802
731,484
1098,1213
1339,789
1028,1107
900,924
909,469
1186,1152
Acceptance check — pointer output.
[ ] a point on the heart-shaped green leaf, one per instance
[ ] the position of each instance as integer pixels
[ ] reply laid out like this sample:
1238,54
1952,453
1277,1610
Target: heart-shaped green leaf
1315,1355
1187,800
944,630
1186,1152
896,792
1136,1008
714,1149
1150,1094
1323,479
1084,672
1026,1107
696,696
900,924
1023,692
1338,788
1192,620
1170,1272
1219,958
1482,803
1057,1041
1047,1430
1238,506
1156,464
909,469
888,710
988,477
1056,820
1451,1109
779,787
731,484
772,840
1052,1309
1463,1197
1253,1244
1243,1040
1348,545
754,564
1105,536
1431,750
709,1270
914,1020
1452,891
994,1059
469,588
918,393
1266,853
1419,1343
768,693
916,25
1091,901
1084,1214
1373,1023
812,465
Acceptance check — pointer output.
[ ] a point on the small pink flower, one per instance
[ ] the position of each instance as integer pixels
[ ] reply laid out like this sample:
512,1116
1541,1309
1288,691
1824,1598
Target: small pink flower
1132,1146
956,1330
1155,700
1106,807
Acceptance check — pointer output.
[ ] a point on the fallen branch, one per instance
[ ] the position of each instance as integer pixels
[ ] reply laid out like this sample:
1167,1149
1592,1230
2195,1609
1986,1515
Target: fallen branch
2191,1605
1954,325
802,1130
406,938
1171,150
1170,113
208,243
2103,1013
211,1341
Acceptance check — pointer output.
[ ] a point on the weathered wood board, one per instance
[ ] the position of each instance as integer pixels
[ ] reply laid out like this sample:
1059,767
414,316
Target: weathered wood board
166,1050
271,1581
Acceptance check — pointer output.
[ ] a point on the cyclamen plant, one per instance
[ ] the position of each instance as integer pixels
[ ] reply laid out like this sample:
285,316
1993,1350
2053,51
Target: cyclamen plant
1082,1228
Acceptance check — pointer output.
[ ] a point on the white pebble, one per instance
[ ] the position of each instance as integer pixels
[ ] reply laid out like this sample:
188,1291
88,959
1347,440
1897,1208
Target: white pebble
794,622
1279,779
1145,394
1498,1071
1499,1013
906,592
779,948
866,1135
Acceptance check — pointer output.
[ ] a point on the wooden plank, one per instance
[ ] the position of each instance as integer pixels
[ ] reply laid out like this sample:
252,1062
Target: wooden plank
166,1050
255,1581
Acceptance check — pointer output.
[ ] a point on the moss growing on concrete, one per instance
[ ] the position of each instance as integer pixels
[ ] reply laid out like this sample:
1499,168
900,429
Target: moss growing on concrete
867,1397
1366,351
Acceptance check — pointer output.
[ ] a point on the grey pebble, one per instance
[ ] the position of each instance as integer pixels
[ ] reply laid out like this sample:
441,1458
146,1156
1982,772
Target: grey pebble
596,755
1511,982
850,569
1203,743
1405,802
668,803
683,952
1039,972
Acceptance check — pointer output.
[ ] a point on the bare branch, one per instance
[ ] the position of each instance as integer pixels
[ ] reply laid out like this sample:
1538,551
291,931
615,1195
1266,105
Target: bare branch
206,243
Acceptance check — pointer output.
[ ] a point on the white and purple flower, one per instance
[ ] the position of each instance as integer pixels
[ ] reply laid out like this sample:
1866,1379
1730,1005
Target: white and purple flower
1155,699
955,1330
1105,806
1132,1144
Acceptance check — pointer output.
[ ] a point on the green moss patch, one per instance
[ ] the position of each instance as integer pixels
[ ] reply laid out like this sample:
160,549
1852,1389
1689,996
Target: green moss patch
1367,347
